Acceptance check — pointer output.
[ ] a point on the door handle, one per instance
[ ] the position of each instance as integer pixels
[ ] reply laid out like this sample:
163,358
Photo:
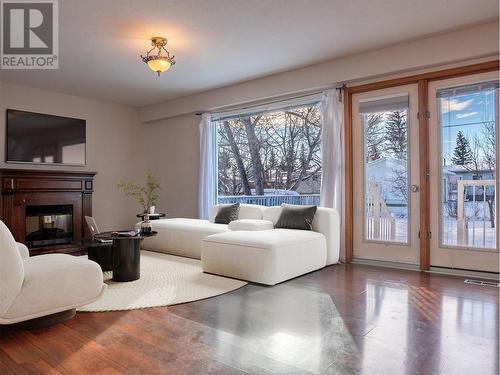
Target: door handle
414,188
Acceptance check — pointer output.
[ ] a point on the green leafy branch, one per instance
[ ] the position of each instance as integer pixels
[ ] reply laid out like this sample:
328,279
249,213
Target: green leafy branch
146,195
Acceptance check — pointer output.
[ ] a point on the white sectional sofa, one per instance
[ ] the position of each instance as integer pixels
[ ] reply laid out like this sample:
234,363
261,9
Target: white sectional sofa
250,248
183,236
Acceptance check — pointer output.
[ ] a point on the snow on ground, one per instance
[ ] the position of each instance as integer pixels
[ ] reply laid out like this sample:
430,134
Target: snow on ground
480,233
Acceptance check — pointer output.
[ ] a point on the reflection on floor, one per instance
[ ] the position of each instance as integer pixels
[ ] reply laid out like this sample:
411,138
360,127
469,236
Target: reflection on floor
341,320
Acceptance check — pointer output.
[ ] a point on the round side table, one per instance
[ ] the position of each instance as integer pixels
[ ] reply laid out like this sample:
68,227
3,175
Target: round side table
126,255
151,216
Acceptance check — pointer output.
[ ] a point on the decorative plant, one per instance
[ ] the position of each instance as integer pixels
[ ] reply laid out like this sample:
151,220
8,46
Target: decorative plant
146,194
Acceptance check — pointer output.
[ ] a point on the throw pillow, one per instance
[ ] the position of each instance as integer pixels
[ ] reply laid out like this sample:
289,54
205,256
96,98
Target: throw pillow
226,214
250,225
296,217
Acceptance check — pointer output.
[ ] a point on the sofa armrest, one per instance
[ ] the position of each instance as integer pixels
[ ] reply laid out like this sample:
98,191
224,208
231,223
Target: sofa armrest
23,250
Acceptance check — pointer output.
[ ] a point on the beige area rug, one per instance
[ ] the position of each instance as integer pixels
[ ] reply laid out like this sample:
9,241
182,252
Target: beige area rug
165,280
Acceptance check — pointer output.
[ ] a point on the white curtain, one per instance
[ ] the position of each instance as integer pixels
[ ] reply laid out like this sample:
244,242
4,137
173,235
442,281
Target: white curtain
208,166
332,114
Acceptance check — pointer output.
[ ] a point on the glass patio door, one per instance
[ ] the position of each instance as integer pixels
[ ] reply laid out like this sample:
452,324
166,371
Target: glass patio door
463,172
386,176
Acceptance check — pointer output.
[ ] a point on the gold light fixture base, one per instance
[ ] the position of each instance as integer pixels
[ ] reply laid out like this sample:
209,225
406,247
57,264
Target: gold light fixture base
158,41
161,61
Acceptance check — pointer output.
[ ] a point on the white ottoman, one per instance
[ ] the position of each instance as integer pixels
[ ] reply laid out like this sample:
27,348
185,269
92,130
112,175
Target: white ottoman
266,257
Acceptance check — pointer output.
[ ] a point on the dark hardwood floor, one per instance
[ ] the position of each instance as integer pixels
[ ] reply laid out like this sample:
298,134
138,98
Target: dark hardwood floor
345,319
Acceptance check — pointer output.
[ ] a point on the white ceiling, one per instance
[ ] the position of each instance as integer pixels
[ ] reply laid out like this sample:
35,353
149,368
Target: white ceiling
221,42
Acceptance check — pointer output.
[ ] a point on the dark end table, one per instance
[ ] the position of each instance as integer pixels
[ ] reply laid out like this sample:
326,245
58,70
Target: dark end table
126,255
100,252
151,216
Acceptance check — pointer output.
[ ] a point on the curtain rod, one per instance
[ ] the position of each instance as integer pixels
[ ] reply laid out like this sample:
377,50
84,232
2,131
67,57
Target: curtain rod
281,99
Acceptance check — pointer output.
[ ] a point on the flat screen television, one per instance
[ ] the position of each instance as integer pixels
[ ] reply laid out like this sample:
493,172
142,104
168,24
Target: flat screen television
45,139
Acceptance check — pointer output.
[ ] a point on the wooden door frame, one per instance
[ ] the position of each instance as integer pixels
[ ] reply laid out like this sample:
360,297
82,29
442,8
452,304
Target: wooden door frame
422,80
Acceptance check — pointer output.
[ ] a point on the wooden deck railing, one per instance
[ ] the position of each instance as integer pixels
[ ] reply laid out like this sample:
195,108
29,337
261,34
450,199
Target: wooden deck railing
482,191
271,200
379,222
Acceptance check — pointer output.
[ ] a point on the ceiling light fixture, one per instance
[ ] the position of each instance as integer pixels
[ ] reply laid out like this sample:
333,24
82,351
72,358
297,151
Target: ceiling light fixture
160,60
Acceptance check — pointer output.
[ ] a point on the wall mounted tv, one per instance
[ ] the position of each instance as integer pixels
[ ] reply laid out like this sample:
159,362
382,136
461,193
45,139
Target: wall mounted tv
44,139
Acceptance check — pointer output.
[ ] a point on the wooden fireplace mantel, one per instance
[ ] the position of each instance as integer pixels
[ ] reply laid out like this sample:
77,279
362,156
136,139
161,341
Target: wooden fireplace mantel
25,187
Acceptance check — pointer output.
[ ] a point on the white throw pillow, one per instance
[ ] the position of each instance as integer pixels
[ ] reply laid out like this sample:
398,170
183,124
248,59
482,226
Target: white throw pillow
250,225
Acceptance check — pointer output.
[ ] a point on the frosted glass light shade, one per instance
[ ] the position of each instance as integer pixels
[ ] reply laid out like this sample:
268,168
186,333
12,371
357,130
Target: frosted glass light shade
159,65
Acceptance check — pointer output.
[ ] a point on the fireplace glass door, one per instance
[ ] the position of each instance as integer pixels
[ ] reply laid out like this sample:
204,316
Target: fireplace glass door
49,225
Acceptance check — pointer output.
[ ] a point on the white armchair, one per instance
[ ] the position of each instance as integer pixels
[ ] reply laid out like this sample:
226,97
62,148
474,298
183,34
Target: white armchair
23,250
44,285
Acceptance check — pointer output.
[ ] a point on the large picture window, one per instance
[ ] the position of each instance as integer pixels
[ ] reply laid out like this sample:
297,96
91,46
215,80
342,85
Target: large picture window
270,158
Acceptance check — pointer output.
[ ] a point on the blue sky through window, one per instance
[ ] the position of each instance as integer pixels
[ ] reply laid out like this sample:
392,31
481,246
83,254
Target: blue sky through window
466,113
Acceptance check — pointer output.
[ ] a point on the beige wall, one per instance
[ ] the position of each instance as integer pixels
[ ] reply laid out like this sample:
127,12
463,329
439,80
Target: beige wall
174,147
115,145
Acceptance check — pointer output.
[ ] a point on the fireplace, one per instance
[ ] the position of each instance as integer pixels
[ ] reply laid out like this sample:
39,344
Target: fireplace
49,225
46,209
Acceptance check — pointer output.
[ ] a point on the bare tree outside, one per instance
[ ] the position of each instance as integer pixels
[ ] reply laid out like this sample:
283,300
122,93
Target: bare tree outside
489,146
272,152
482,162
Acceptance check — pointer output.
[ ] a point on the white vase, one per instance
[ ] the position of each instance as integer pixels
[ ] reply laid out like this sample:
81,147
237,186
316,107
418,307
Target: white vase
152,209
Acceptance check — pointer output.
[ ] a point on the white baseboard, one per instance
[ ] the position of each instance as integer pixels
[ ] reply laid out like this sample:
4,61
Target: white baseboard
464,273
436,270
386,264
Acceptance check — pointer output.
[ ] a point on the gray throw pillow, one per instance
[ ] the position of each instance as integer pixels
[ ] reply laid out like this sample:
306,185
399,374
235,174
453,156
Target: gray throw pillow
226,214
296,217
